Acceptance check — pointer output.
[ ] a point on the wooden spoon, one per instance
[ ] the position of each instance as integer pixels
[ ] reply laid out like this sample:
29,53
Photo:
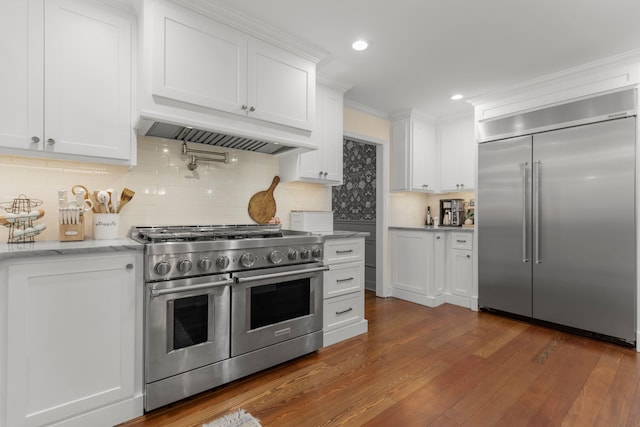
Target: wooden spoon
125,198
262,205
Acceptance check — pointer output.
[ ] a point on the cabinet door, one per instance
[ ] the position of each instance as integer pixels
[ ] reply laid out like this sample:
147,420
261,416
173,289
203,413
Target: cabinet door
87,104
411,261
399,155
461,272
325,163
457,154
424,165
440,257
198,61
414,165
21,74
71,336
281,86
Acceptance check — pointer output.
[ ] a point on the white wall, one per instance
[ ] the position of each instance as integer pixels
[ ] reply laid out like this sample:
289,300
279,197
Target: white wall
166,191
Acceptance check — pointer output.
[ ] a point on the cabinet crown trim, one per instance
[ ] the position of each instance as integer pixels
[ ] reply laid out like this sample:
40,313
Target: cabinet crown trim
260,30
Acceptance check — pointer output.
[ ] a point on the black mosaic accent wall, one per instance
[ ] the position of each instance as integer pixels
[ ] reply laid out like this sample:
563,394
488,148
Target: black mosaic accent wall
355,200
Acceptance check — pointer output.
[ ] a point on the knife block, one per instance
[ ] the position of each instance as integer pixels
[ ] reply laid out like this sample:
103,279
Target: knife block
72,232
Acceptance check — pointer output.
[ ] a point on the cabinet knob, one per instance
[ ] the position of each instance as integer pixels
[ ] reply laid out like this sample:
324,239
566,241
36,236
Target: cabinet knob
425,185
325,174
51,141
461,185
438,237
252,108
244,107
35,139
129,266
457,185
468,256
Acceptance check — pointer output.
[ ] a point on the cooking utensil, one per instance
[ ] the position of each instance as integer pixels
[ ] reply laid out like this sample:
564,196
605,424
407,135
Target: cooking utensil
104,199
262,205
125,198
96,203
115,201
77,189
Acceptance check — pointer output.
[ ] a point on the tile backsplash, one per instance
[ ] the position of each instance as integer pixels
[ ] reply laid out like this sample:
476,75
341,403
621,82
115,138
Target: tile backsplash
166,191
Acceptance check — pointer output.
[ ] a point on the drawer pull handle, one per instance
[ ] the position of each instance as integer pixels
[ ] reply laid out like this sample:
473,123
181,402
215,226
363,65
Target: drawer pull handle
344,311
348,279
345,252
461,241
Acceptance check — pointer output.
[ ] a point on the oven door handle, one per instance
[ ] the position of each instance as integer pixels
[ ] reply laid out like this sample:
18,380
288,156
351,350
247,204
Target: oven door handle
277,275
158,292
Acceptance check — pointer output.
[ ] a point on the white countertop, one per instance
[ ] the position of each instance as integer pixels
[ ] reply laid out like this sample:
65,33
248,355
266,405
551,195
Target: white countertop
55,247
341,234
432,228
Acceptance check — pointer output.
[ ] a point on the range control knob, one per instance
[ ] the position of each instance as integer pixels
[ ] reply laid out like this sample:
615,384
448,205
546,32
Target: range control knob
316,252
204,264
184,266
305,254
162,268
292,255
276,257
247,259
222,261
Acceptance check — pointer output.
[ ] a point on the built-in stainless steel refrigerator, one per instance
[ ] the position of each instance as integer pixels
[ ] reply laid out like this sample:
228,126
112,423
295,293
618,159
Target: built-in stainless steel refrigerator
556,215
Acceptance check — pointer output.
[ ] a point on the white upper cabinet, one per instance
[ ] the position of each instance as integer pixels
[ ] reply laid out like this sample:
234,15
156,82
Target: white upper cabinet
323,165
457,153
66,80
200,62
414,159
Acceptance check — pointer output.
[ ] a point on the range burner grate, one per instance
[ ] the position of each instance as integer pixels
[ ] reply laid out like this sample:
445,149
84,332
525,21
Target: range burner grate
205,233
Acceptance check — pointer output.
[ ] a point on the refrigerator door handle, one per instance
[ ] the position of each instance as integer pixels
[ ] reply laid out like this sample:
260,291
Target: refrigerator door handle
525,166
536,201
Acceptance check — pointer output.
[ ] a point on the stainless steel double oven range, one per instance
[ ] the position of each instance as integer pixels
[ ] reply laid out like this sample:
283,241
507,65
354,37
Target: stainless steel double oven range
223,302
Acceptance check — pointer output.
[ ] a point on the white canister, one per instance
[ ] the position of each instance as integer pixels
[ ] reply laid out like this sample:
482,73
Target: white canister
106,226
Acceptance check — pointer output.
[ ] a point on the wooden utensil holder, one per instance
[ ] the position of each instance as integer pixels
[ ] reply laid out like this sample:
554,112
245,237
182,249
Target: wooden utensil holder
72,232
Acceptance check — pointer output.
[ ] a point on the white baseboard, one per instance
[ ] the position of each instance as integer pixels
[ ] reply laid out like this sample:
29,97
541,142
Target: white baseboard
109,415
433,301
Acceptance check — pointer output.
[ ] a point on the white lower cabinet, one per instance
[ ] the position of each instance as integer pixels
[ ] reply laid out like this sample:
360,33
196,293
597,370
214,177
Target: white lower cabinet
432,267
343,290
74,340
416,274
461,269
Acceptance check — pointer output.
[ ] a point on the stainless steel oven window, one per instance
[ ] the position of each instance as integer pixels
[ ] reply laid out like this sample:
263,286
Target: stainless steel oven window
188,321
271,304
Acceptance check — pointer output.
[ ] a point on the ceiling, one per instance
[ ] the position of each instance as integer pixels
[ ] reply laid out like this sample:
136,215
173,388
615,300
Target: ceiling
423,51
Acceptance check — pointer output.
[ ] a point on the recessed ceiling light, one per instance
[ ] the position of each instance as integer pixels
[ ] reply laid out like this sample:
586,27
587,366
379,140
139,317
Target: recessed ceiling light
456,97
360,45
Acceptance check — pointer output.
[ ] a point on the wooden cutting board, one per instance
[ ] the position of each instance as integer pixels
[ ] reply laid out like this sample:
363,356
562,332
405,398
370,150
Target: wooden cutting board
262,205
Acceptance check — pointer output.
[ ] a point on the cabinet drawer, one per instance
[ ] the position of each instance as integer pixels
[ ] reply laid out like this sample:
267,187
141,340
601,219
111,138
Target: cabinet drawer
462,241
343,279
342,311
343,250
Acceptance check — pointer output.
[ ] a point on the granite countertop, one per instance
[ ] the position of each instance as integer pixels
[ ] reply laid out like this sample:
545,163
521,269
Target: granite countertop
341,234
432,228
54,247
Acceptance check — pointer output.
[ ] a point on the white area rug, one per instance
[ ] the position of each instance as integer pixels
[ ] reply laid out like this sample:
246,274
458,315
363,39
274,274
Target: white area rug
240,418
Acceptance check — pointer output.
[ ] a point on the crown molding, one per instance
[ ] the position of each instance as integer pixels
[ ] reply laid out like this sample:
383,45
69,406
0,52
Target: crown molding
352,105
333,82
601,65
254,27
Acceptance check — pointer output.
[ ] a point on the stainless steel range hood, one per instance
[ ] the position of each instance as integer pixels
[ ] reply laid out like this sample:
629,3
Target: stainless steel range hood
200,136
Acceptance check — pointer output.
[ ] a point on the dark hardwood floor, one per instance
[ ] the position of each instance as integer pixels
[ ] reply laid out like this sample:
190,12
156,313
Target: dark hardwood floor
444,366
